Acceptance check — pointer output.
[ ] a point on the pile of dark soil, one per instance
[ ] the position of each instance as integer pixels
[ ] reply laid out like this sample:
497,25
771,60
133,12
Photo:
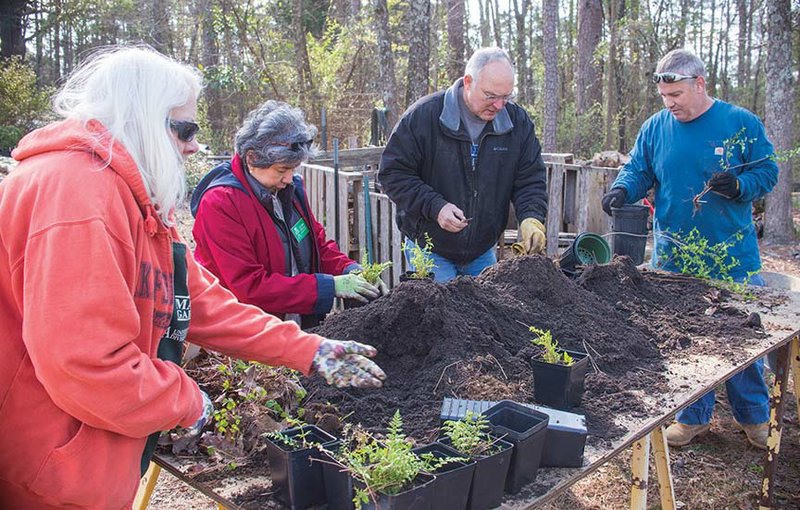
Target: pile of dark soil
469,338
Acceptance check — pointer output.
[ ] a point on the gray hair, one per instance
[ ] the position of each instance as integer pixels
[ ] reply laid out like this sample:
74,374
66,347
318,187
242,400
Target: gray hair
484,56
131,91
681,61
269,131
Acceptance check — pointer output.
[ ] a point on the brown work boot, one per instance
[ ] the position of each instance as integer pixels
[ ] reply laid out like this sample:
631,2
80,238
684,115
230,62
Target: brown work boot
680,434
756,433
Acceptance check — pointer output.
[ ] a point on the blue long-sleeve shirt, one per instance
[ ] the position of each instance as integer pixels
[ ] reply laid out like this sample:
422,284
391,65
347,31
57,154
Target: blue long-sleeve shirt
677,158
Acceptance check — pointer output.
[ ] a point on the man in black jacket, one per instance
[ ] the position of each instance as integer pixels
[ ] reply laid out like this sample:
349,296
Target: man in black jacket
457,159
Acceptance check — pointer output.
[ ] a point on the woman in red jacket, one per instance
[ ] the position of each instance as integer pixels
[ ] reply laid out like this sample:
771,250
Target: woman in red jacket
254,228
98,293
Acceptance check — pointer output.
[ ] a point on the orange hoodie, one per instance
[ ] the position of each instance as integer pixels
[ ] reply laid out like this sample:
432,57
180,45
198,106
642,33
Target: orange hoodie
85,296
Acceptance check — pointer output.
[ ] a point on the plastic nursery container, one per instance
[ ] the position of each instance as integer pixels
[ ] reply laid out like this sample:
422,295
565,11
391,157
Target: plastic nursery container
296,480
490,475
630,231
587,249
525,428
560,386
453,480
408,277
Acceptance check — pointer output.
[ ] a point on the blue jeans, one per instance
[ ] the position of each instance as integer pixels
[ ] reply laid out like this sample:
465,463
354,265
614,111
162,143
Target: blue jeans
446,270
747,393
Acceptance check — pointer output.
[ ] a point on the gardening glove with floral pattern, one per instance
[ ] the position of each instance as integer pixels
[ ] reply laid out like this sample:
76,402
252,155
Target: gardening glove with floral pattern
725,184
532,238
616,197
208,413
344,364
354,286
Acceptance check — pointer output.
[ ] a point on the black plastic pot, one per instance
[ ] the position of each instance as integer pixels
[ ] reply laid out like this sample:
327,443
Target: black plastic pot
525,428
296,480
490,476
630,231
453,480
560,386
408,277
587,249
338,484
418,497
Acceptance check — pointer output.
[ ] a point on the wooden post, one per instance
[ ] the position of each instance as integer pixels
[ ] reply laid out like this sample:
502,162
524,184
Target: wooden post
639,471
795,354
776,409
146,486
555,203
661,453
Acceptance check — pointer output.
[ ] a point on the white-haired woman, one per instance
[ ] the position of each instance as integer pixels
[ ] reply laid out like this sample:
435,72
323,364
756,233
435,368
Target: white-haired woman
98,292
254,227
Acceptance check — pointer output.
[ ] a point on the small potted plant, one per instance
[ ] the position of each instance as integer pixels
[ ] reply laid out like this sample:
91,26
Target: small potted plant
374,474
371,273
453,475
422,261
296,480
471,437
558,374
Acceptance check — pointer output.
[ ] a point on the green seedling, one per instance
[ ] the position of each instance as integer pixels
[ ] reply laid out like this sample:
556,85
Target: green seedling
371,272
421,258
470,435
550,351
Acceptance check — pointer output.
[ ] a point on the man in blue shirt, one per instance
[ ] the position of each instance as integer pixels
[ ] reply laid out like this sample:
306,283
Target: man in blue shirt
707,161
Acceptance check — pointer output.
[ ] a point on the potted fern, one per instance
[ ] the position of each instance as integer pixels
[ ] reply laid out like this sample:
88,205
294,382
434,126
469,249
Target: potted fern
367,474
371,272
297,481
421,258
558,374
471,437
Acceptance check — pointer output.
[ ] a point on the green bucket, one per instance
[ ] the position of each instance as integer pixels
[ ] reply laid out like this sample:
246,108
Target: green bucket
587,249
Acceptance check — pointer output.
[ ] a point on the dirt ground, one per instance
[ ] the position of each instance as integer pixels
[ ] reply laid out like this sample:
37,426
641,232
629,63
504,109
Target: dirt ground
719,471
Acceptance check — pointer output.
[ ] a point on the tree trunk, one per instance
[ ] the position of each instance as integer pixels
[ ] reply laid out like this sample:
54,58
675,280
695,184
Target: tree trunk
485,22
455,39
521,51
778,227
210,59
741,64
550,50
305,78
12,30
386,59
162,35
612,81
418,22
588,89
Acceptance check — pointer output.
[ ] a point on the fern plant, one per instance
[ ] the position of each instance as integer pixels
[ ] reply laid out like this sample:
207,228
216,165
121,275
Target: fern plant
470,435
550,351
371,272
421,258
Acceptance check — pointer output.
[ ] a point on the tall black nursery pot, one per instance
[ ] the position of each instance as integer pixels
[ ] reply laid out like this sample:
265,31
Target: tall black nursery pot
297,481
453,480
560,386
490,476
525,428
630,231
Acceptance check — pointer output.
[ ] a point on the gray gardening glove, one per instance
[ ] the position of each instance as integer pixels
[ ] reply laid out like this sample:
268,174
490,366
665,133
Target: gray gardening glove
344,364
354,286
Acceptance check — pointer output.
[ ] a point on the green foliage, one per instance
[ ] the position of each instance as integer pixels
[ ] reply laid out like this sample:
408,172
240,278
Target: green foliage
421,258
387,467
23,105
470,435
729,146
694,255
371,272
550,351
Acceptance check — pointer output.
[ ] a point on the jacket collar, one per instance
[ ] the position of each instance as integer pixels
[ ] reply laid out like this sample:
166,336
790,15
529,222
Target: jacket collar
450,117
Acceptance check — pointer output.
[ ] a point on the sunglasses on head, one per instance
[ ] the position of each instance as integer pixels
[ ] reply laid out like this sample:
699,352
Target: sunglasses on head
185,129
295,146
671,77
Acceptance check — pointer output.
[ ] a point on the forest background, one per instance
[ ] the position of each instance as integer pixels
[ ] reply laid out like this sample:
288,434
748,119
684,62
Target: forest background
583,66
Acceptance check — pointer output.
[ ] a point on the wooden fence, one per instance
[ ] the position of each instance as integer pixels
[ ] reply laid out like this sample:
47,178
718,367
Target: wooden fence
574,193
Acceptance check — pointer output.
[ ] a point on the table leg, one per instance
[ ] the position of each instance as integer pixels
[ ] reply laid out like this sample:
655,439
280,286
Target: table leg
795,355
640,464
777,408
661,453
146,486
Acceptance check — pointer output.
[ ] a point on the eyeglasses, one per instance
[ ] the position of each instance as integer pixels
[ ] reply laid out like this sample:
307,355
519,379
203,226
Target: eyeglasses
295,146
185,129
492,98
671,77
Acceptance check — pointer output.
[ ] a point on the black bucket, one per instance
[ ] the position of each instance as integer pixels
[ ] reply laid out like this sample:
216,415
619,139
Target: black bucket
630,231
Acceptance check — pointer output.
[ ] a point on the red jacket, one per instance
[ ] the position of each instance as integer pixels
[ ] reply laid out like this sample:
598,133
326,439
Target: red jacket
85,296
237,241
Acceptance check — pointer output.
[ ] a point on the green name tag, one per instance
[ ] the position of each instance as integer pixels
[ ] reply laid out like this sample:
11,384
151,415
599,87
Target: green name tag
300,230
